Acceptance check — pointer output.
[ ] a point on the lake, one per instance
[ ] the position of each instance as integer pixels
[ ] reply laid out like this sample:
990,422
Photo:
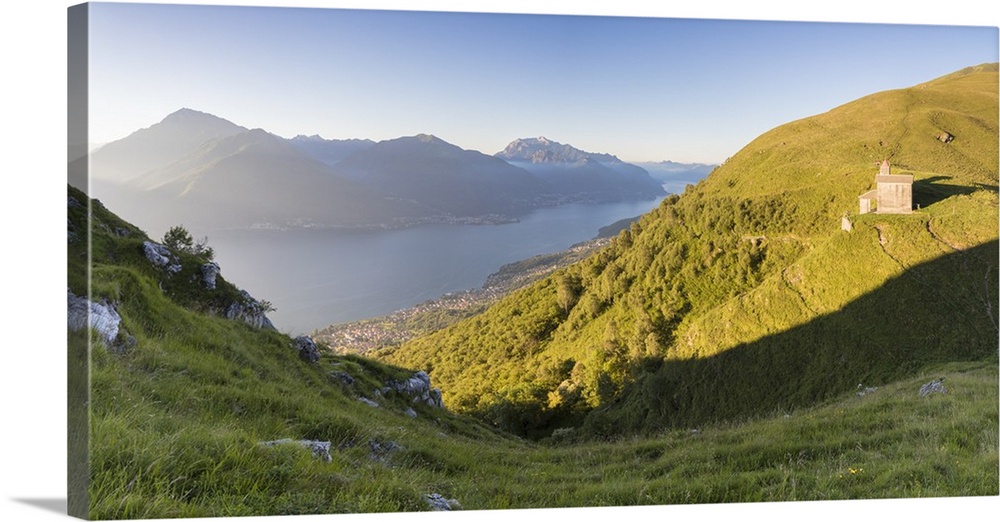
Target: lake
316,277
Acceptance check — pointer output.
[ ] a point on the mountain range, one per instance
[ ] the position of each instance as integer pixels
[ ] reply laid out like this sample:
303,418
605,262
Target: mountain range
217,174
756,338
576,174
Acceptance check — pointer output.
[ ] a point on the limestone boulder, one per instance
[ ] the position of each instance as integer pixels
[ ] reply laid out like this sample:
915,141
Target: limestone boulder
209,272
100,317
250,311
935,386
419,388
320,448
161,256
308,351
438,502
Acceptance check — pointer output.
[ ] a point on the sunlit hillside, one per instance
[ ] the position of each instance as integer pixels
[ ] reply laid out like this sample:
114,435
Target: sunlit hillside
745,295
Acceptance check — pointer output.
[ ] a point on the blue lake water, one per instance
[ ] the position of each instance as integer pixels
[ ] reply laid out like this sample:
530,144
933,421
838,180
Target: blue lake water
319,277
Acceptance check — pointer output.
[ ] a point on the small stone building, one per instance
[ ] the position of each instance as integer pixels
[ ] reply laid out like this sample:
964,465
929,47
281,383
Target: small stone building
893,193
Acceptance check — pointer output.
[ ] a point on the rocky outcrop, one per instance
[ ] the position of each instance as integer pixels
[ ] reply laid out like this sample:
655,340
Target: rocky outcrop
866,390
437,502
380,451
161,256
71,234
935,386
342,377
209,271
100,317
419,387
308,351
320,448
250,311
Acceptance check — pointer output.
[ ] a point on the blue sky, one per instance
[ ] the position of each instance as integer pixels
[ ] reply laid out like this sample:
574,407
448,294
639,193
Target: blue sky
645,89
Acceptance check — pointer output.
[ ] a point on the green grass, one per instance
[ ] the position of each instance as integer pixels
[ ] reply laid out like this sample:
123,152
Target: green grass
176,421
709,354
165,447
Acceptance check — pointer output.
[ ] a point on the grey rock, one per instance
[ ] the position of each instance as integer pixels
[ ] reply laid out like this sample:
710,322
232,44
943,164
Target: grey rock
344,377
72,202
100,317
437,502
209,271
382,451
935,386
562,434
410,413
368,401
71,234
250,311
308,351
419,387
320,448
865,390
161,256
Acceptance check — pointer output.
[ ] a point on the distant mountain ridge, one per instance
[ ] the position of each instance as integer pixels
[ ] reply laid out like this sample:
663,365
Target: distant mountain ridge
675,176
178,134
233,182
329,151
445,178
579,175
211,173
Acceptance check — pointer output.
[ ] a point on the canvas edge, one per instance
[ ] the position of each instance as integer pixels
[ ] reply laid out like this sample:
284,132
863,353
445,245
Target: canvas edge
78,346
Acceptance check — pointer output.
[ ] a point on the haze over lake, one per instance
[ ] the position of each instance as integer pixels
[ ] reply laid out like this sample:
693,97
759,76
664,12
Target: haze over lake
319,277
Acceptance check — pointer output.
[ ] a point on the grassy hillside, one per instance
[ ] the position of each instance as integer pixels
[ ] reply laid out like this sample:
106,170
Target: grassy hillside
712,353
182,399
180,411
743,296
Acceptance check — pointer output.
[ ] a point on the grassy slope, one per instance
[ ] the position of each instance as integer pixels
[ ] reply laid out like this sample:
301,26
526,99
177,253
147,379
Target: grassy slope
176,422
753,251
177,418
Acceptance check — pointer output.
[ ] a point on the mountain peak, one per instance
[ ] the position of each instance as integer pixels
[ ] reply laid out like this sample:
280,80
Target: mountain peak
178,134
541,150
185,113
426,138
313,137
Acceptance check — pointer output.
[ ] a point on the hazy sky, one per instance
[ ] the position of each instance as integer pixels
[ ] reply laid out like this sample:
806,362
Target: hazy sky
645,89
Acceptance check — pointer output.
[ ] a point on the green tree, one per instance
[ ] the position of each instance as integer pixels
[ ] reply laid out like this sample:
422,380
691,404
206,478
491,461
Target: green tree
179,239
568,292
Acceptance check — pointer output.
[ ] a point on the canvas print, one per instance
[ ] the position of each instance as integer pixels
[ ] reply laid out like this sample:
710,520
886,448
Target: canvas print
326,260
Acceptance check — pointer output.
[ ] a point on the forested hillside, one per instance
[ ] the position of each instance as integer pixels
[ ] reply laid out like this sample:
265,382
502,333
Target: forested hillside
746,295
